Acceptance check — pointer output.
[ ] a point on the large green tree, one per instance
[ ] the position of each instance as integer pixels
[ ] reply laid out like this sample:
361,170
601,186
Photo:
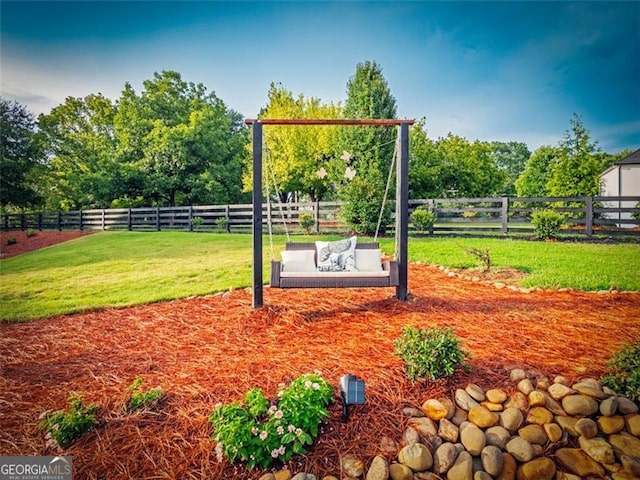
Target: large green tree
533,180
20,157
510,158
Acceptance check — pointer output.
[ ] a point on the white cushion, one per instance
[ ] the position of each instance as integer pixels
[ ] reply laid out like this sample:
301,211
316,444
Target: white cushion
337,256
368,260
381,274
298,260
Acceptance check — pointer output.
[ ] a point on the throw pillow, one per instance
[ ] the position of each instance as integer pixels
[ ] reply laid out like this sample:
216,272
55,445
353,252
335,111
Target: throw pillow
337,256
298,260
368,260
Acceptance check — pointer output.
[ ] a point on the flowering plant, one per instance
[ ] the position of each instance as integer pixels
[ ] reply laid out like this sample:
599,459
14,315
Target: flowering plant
260,432
64,428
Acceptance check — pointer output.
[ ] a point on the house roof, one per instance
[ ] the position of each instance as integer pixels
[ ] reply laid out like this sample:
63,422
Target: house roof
632,159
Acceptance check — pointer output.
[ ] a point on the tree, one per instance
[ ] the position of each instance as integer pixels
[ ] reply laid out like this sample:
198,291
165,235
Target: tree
533,180
510,158
576,170
368,96
19,157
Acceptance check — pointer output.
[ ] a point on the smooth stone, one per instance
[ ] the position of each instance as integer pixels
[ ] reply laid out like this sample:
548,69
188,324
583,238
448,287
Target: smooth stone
352,465
562,380
497,436
587,428
398,471
445,456
566,476
473,439
433,409
598,449
590,390
536,399
543,383
449,405
379,469
630,464
525,386
590,382
447,431
267,476
462,469
520,449
416,456
553,431
496,395
633,424
579,405
482,417
491,457
541,468
609,406
492,407
304,476
533,434
558,391
480,475
623,476
410,436
625,443
509,467
331,477
552,405
568,424
511,419
423,425
517,374
518,400
464,400
626,406
412,412
425,476
459,417
284,474
538,450
539,415
475,392
579,463
610,425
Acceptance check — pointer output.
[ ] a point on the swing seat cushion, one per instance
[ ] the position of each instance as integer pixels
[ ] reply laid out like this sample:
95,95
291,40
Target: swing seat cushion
298,261
369,260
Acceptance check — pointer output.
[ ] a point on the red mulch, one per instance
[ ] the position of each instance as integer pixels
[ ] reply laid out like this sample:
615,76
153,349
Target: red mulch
39,240
213,349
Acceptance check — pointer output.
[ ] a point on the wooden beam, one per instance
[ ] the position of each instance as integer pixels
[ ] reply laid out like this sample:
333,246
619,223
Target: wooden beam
402,213
380,122
257,216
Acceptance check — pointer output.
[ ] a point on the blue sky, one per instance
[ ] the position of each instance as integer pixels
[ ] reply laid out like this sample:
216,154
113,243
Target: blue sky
483,70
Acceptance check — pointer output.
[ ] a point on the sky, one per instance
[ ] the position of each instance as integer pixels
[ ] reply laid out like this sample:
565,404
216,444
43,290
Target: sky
492,71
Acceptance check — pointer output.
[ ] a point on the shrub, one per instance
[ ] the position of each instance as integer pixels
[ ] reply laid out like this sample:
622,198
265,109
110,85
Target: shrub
483,255
432,353
30,233
12,241
306,221
636,214
625,371
196,222
361,209
259,432
546,223
422,219
222,224
64,428
143,399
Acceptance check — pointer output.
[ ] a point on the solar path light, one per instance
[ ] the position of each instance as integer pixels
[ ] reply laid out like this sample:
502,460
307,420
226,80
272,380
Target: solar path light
352,392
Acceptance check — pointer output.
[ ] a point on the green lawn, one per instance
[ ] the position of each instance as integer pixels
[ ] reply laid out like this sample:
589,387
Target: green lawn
126,268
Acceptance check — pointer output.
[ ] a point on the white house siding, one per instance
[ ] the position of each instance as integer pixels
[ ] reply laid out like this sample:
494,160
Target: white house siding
621,180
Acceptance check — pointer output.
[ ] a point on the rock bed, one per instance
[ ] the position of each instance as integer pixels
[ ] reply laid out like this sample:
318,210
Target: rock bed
542,430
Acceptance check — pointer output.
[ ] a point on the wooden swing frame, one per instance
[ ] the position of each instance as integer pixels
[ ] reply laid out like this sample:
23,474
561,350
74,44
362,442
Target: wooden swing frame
398,274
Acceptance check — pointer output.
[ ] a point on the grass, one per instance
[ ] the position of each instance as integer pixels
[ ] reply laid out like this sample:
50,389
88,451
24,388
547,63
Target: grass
114,269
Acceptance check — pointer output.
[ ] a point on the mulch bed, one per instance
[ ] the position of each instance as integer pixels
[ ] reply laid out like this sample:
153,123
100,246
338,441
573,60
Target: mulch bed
206,350
26,243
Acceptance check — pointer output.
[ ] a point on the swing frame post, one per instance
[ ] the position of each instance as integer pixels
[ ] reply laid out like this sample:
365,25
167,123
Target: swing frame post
402,194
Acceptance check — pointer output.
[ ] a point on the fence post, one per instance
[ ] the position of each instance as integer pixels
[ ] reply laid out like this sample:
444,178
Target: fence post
505,215
588,221
40,221
227,215
316,215
59,220
158,219
431,206
129,219
102,220
190,218
80,219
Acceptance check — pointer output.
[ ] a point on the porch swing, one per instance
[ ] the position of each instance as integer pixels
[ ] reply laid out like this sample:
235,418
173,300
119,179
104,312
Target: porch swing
391,273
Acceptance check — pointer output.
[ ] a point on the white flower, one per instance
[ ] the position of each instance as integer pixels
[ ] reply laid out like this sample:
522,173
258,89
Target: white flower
316,386
263,435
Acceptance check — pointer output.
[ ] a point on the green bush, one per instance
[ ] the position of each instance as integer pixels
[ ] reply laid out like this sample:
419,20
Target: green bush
143,399
306,221
432,353
64,428
222,224
12,241
625,371
422,219
546,223
30,233
196,222
361,209
259,432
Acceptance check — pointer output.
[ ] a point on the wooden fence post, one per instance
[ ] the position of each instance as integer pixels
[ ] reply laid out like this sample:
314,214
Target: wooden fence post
431,206
129,226
227,215
59,220
190,218
40,221
158,219
102,220
316,215
505,215
80,218
588,221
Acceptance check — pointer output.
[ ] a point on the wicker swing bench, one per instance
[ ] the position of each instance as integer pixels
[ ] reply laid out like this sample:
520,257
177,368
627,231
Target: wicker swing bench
386,277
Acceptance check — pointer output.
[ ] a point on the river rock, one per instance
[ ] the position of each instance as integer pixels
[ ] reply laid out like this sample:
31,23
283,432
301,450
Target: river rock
398,471
304,476
352,465
449,405
543,383
497,436
558,391
267,476
625,443
579,405
433,409
412,412
539,415
579,463
482,417
586,428
423,425
445,456
533,434
464,400
447,431
633,424
609,406
525,386
511,419
416,456
379,469
480,475
626,406
562,380
630,464
491,457
410,436
520,449
462,469
518,400
496,395
598,449
284,474
590,390
536,399
610,425
509,466
553,431
517,374
475,392
492,407
568,424
473,439
459,416
541,468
